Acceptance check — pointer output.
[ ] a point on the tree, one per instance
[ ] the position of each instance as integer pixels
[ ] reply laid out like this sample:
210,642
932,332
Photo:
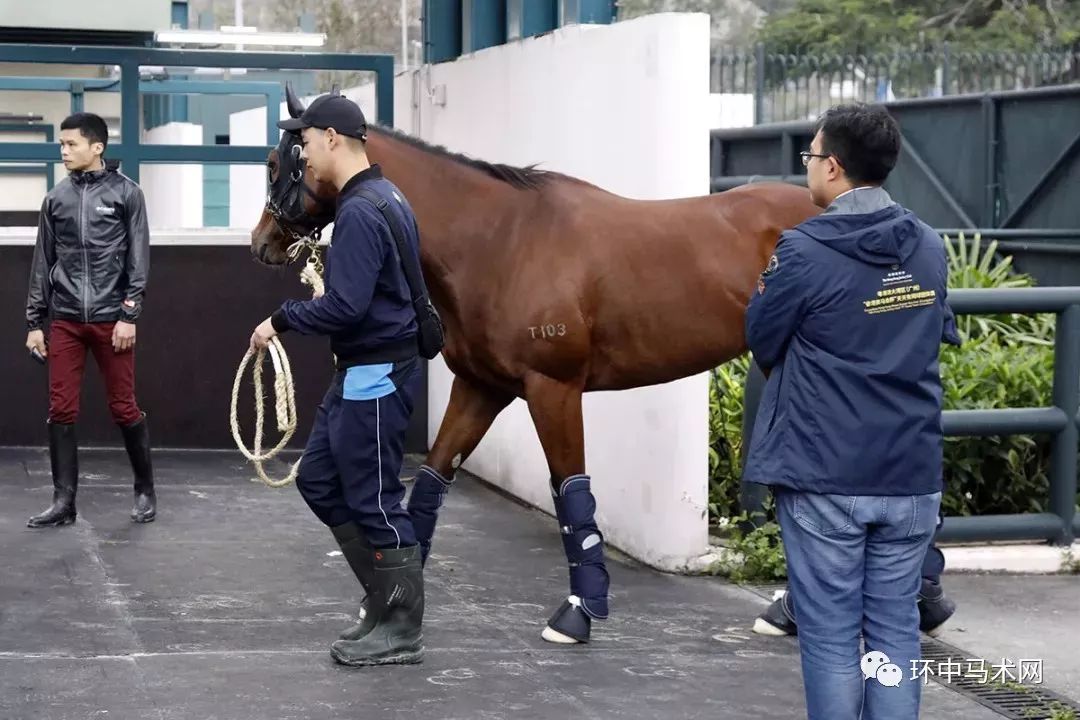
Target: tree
867,26
733,21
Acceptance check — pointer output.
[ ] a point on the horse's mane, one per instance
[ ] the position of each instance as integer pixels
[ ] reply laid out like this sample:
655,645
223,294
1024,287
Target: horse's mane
524,178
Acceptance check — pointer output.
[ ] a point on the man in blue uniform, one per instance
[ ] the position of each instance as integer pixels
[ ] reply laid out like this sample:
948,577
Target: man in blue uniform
349,475
847,320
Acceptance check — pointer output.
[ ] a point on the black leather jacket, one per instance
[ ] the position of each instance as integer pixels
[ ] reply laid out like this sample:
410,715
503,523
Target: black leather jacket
93,251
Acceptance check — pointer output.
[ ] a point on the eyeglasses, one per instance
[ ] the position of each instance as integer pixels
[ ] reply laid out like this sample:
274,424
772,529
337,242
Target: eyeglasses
806,155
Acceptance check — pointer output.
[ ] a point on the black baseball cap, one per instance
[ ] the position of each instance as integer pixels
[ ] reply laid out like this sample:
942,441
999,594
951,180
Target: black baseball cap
330,111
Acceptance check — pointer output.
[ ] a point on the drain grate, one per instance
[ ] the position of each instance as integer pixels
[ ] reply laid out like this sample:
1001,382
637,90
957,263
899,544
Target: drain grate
1009,687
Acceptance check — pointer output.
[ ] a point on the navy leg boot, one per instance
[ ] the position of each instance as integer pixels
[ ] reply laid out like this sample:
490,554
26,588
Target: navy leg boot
584,546
429,491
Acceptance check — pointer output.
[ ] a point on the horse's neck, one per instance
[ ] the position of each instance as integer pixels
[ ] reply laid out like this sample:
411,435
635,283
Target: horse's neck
454,205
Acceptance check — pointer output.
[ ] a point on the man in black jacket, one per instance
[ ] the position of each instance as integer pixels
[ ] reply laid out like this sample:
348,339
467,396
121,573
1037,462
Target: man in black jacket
88,278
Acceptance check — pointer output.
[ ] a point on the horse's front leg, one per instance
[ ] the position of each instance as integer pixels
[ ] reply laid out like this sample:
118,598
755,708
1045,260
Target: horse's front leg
471,411
555,407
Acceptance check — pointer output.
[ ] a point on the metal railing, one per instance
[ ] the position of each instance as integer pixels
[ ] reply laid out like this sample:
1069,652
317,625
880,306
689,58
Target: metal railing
1061,524
800,87
131,151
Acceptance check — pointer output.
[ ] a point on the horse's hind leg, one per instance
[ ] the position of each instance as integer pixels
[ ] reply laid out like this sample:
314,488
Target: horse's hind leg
469,414
556,411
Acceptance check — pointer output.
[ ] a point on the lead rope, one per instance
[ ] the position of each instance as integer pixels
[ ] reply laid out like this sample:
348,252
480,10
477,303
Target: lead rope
284,389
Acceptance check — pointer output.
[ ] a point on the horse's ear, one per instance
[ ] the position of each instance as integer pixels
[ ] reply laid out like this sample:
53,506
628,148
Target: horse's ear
296,108
334,89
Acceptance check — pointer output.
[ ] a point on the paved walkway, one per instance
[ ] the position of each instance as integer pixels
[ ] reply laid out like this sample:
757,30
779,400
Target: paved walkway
225,606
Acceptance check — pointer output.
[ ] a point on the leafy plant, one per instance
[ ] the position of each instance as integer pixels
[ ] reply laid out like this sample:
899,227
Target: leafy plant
1006,360
754,556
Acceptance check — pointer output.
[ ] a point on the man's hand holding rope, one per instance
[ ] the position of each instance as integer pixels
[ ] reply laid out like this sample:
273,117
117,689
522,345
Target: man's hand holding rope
260,339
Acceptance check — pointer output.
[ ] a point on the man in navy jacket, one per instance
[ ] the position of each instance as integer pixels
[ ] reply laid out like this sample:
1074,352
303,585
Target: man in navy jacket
349,474
847,321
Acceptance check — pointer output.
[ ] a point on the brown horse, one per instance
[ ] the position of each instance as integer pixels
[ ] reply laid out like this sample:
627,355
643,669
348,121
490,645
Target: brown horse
551,287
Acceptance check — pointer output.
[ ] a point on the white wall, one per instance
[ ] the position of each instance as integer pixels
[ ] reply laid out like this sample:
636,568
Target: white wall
174,192
625,106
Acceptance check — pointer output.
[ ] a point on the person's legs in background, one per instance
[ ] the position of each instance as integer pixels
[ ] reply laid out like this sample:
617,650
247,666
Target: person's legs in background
935,607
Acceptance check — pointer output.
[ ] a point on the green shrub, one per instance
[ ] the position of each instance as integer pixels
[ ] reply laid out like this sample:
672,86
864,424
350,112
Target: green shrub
1006,360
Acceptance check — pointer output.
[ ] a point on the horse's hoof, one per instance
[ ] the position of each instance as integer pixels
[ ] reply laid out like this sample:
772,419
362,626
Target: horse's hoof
554,636
569,625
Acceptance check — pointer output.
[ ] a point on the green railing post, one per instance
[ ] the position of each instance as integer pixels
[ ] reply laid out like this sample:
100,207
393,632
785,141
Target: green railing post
1067,397
759,83
946,71
77,97
384,90
991,201
129,119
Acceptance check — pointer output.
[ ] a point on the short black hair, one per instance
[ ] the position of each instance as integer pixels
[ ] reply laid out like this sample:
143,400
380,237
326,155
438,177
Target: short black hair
864,138
92,127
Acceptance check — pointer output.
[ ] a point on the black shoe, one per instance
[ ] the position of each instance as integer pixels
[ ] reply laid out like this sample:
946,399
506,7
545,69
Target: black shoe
64,457
137,443
358,553
934,607
779,618
392,632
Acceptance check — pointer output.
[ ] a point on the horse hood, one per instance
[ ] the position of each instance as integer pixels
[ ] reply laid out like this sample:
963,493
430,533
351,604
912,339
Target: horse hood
888,236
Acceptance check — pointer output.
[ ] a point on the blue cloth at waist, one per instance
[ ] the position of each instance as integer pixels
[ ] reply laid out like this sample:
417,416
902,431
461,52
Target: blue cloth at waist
367,382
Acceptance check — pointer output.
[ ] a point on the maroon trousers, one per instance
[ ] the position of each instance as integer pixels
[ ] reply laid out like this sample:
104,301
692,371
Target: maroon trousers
68,343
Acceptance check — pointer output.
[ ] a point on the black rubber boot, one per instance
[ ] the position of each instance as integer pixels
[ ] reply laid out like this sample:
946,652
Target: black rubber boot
392,632
358,553
64,457
137,443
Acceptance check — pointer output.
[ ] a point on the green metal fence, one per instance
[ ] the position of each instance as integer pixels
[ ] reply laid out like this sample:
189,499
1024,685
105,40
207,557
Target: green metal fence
1061,525
130,151
800,87
968,161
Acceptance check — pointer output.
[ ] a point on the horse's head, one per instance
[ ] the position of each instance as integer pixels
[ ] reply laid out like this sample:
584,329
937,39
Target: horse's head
297,206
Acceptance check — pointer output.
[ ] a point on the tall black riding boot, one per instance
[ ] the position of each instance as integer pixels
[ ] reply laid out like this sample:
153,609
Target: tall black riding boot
137,443
64,457
393,631
358,553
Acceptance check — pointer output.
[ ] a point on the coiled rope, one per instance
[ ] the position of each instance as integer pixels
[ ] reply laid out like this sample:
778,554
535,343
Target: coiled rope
284,389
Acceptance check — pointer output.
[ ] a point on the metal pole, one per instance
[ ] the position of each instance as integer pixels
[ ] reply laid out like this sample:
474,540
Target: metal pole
273,114
759,84
1066,397
77,89
990,214
129,118
404,35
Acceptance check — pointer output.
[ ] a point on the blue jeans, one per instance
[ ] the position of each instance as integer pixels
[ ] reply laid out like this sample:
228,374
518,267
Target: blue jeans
854,567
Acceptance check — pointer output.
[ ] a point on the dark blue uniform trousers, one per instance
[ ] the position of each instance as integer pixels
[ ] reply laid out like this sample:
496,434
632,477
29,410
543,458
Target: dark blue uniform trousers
351,465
